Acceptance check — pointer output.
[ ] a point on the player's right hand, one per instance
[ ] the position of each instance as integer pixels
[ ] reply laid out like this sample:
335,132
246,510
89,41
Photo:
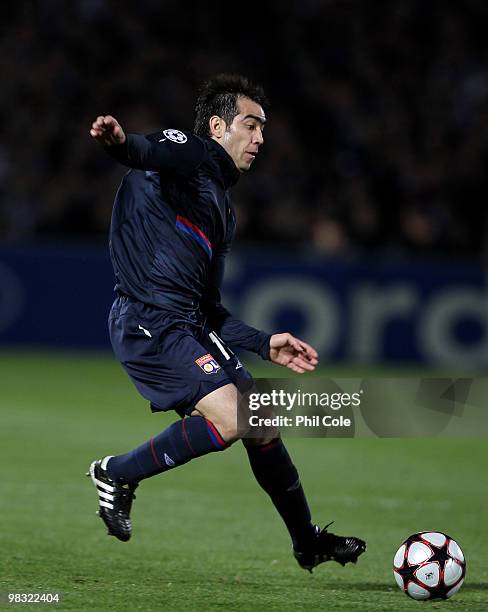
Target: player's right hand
106,130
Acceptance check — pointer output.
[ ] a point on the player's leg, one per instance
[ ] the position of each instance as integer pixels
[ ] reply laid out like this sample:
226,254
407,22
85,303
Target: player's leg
275,472
269,461
116,478
173,371
268,457
194,436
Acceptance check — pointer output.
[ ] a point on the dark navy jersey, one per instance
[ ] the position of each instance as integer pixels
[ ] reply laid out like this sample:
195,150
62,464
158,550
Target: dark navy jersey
172,226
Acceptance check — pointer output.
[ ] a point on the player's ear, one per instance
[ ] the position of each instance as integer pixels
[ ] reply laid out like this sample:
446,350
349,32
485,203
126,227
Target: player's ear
217,126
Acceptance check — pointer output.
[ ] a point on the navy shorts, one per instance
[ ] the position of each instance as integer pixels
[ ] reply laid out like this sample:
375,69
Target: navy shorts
173,363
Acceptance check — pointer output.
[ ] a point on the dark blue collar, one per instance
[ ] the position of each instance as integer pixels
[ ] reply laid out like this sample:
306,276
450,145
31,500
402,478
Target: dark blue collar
230,172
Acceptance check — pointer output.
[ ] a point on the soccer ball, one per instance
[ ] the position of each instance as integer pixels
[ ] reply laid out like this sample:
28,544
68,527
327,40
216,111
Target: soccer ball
429,565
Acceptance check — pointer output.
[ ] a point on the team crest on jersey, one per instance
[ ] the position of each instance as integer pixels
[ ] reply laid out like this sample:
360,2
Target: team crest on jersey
175,136
208,364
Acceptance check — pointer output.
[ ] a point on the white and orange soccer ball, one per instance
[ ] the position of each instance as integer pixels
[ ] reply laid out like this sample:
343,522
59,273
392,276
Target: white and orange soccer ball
429,565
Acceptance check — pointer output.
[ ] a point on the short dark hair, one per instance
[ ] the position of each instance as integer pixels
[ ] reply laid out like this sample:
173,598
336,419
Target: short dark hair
219,95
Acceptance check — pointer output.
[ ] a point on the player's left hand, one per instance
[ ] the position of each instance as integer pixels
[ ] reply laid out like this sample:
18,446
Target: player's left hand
293,353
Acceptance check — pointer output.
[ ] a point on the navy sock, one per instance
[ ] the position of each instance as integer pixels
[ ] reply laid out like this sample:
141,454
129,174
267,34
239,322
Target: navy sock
275,472
179,443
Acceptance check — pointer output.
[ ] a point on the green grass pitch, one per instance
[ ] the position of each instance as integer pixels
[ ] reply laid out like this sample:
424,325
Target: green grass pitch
205,536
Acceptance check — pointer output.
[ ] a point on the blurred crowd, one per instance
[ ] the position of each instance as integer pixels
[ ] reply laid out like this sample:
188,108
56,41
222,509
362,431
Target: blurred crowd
378,130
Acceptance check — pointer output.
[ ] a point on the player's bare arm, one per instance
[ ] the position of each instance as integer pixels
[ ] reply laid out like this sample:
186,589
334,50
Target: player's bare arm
107,131
292,353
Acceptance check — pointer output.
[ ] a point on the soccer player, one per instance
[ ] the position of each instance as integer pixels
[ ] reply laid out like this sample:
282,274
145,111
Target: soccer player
172,226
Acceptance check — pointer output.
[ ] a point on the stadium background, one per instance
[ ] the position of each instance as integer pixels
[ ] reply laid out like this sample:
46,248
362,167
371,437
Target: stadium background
362,228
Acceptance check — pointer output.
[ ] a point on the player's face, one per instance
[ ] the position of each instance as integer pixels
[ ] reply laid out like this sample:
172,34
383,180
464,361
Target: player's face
244,136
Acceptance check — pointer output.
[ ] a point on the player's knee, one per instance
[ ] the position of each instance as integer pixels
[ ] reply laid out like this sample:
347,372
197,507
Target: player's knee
230,432
230,426
222,408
